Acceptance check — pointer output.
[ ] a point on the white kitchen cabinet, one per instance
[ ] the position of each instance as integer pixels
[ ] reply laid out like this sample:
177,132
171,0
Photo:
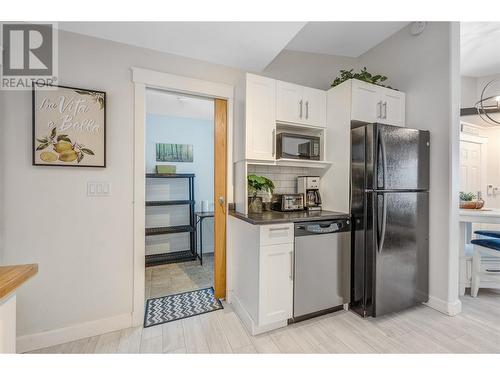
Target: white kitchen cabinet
393,107
315,107
300,105
261,280
353,100
289,103
372,103
276,283
260,118
365,103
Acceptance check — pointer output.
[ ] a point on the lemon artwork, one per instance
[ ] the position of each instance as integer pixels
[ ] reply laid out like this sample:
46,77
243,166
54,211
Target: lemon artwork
63,148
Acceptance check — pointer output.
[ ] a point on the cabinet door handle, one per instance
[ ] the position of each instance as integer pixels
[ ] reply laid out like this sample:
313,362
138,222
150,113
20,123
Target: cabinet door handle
291,265
274,142
300,109
385,110
379,109
307,109
278,228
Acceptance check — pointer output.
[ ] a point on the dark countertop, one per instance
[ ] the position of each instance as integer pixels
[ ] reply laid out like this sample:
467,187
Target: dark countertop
276,217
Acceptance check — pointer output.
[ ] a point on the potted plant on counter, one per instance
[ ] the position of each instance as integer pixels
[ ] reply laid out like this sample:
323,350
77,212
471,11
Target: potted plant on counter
469,201
257,184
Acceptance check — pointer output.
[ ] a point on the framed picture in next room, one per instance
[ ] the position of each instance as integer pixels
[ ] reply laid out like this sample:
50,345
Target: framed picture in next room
69,127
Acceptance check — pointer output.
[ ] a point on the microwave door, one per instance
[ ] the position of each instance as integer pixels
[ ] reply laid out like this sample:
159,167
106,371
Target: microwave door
304,150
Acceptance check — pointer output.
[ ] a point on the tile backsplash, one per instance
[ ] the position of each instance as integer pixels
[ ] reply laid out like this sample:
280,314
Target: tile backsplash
284,178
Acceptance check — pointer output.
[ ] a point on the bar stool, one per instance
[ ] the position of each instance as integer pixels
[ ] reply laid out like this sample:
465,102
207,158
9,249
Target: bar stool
485,262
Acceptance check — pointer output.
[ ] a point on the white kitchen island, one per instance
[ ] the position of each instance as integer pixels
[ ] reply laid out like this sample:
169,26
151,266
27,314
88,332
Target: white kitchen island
467,218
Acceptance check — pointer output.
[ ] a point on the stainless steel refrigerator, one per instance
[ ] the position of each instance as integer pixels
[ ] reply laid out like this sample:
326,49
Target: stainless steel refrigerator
390,214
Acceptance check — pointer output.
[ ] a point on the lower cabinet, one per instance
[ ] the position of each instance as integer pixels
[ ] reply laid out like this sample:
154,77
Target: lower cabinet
276,283
261,279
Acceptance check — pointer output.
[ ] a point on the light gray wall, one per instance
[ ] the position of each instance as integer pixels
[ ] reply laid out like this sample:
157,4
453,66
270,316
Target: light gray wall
308,69
83,245
468,92
420,66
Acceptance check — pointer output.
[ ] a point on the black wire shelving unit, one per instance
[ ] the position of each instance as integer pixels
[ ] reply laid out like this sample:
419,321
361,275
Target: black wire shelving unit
182,255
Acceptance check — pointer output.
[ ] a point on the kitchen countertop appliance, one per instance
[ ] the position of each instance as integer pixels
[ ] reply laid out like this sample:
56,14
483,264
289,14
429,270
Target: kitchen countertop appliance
390,215
321,267
309,187
287,202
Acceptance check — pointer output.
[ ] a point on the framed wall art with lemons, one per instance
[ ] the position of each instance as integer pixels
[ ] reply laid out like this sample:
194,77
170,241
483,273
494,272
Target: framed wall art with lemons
69,127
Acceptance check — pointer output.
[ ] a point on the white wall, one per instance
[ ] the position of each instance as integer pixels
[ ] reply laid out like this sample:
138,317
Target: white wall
83,245
420,66
200,134
468,95
308,69
472,87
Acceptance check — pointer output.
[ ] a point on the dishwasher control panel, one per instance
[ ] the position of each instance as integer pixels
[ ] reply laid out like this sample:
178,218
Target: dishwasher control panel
322,227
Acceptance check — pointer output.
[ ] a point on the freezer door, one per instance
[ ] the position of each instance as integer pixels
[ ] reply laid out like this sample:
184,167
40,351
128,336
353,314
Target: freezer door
400,158
401,250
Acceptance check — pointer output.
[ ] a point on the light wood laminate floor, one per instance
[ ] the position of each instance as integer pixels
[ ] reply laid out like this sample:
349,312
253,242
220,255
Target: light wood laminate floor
417,330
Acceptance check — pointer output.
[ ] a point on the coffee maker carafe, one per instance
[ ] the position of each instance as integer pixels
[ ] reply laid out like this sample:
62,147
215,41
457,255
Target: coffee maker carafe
309,187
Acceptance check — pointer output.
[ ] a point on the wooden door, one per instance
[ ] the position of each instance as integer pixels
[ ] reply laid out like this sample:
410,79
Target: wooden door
220,198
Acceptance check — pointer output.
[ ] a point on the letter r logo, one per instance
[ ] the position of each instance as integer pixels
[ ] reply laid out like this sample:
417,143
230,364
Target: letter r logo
27,50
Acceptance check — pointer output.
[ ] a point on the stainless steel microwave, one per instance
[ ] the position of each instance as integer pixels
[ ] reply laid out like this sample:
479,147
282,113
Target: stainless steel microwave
297,146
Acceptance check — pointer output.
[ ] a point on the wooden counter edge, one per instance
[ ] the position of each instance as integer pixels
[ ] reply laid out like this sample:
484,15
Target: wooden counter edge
12,277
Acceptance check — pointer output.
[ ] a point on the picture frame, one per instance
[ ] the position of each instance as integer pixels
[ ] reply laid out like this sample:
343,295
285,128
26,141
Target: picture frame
68,126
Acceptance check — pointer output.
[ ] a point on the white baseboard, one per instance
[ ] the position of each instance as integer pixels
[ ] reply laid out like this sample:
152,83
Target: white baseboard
62,335
448,308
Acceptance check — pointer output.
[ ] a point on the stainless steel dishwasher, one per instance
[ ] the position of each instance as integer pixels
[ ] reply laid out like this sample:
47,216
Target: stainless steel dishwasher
322,267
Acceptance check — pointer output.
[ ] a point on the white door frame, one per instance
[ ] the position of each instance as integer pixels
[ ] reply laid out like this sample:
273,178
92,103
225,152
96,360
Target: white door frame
143,79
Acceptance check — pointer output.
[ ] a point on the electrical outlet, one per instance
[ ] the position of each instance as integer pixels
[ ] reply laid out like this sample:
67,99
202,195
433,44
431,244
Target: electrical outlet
98,189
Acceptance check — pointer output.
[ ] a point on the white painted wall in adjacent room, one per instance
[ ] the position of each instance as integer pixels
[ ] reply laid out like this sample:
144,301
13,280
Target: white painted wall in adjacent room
421,67
200,134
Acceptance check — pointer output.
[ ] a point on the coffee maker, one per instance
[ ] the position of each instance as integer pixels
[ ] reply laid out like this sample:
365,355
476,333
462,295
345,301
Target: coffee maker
309,187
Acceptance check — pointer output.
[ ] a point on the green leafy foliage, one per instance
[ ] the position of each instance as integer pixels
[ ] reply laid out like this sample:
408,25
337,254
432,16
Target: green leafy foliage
363,75
467,197
259,183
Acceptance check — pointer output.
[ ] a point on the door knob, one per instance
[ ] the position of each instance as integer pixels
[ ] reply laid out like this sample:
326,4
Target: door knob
221,200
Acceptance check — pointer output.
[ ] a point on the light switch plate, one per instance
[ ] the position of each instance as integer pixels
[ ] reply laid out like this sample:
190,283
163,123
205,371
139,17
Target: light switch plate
98,189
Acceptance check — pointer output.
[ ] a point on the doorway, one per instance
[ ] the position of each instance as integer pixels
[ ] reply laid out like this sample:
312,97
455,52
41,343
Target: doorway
222,96
179,206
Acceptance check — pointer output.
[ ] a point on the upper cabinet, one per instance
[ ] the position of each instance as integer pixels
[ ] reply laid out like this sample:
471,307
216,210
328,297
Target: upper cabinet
260,118
372,103
301,105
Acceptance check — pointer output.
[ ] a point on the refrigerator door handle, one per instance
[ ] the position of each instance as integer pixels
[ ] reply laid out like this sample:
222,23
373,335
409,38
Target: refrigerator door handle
381,237
381,145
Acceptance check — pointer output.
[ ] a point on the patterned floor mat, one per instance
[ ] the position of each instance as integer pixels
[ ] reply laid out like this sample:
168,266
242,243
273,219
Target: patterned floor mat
178,306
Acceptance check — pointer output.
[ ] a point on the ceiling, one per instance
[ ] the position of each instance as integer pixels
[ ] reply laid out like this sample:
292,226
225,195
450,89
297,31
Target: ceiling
164,103
244,45
350,39
479,48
